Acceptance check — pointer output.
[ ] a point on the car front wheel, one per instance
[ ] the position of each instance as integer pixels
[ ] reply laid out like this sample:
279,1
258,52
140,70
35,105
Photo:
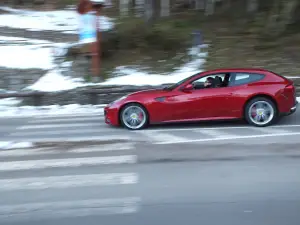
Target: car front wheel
134,116
260,112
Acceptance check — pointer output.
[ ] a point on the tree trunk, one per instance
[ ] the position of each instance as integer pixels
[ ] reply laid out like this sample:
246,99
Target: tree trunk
165,8
139,8
252,6
200,4
210,7
124,9
148,10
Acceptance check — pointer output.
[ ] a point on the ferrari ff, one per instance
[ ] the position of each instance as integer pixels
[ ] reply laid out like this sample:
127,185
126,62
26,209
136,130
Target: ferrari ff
259,96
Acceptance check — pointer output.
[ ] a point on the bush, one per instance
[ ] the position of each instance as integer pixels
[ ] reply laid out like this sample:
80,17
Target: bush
160,36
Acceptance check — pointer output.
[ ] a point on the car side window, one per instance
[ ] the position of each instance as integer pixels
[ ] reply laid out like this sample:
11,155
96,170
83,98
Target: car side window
217,80
245,78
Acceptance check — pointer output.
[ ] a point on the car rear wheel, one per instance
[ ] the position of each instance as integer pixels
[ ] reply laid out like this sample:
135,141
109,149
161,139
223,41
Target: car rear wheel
260,112
134,116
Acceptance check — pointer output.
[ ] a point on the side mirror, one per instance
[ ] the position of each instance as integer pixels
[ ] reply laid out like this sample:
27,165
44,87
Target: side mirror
188,88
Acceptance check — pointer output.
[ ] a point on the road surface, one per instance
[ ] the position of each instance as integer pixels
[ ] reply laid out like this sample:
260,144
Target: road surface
72,127
135,184
215,173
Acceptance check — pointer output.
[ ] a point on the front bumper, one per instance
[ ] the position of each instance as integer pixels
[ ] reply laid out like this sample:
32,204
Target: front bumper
111,116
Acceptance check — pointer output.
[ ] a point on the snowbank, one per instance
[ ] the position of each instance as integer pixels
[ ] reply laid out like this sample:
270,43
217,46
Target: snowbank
65,21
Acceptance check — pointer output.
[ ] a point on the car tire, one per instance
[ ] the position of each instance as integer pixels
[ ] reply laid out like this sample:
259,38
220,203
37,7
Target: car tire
268,104
141,110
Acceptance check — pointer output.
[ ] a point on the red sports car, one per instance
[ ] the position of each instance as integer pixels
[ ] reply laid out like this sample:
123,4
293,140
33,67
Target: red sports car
257,95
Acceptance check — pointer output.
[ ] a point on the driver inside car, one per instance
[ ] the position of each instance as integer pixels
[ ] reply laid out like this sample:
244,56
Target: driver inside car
209,82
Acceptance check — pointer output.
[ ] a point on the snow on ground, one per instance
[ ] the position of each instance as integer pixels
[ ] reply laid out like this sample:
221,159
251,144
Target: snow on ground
9,109
6,145
65,21
55,81
22,53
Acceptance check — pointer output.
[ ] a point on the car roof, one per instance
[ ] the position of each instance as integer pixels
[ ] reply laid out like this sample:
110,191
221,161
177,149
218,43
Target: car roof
240,69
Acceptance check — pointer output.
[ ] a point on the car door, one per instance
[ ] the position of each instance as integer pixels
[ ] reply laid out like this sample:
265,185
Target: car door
208,103
205,103
197,104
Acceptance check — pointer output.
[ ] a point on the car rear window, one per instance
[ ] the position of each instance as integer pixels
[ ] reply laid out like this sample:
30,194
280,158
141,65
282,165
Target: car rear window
245,78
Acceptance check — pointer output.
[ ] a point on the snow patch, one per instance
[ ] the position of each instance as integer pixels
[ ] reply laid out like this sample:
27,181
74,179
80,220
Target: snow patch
24,53
66,21
6,145
13,111
25,57
55,81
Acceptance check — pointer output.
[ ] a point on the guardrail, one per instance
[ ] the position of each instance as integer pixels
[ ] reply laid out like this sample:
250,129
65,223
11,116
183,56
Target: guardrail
34,95
88,95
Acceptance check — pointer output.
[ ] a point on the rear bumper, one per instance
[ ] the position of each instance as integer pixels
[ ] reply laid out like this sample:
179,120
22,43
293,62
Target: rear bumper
292,110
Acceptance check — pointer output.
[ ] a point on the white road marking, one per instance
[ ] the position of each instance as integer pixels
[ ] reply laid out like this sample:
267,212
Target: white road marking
216,128
53,150
156,136
65,131
231,138
74,162
27,127
76,115
81,138
269,130
214,133
62,209
67,119
104,148
68,181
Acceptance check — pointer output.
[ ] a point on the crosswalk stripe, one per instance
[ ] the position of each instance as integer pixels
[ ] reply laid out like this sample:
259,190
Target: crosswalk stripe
61,120
68,181
67,130
74,162
66,125
53,150
215,133
77,115
24,136
161,136
269,130
79,208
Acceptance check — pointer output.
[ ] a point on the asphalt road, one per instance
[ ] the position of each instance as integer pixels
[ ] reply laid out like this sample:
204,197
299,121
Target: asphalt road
137,184
90,126
206,173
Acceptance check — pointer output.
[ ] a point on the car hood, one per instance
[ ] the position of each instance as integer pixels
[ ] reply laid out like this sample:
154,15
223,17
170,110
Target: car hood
151,92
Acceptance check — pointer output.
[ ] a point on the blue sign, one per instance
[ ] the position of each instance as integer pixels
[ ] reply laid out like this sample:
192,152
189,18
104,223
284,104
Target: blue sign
87,28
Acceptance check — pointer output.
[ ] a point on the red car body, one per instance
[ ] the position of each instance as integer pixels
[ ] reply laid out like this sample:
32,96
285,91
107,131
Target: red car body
181,104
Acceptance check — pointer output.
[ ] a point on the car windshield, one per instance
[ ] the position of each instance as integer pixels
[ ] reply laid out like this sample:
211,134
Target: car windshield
173,86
